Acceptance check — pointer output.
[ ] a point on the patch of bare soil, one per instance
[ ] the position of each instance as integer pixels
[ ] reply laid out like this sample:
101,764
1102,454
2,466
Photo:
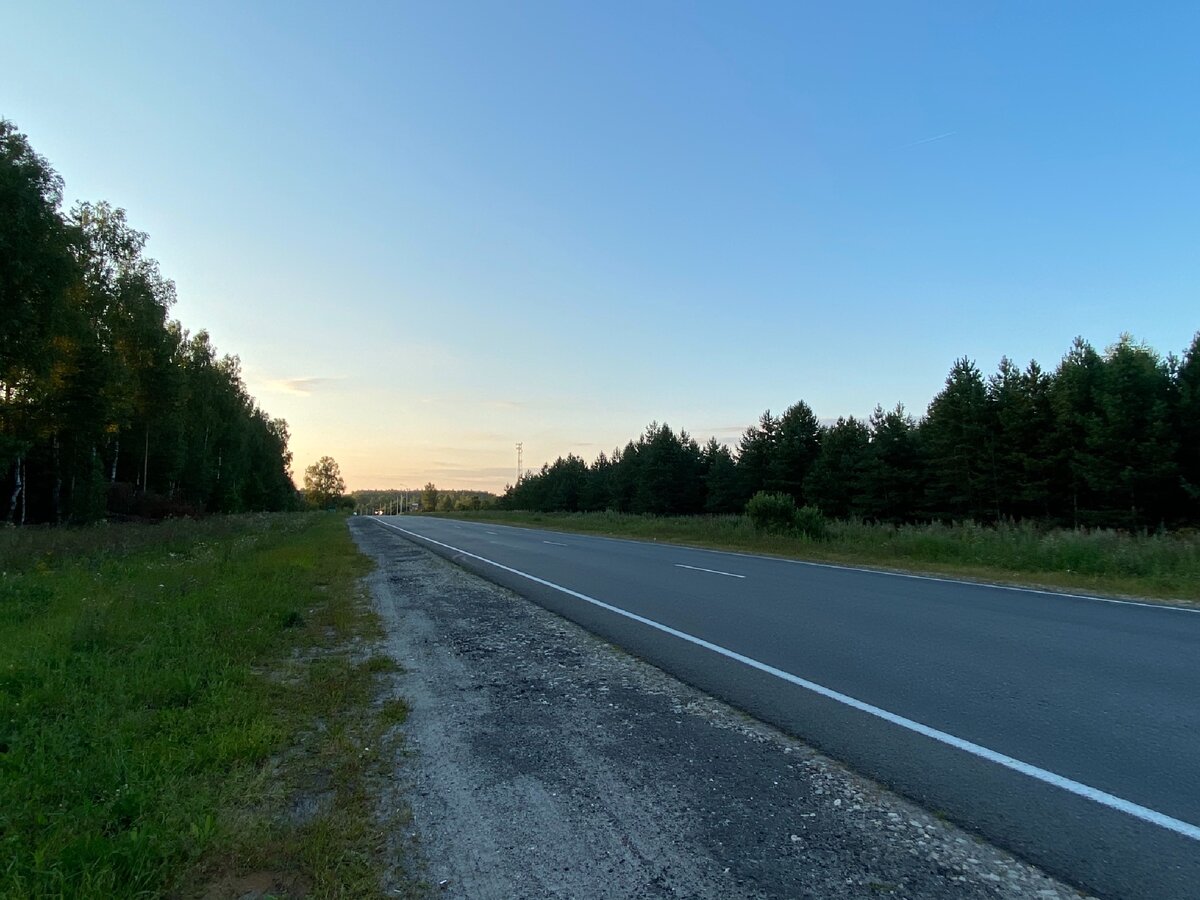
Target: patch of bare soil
258,886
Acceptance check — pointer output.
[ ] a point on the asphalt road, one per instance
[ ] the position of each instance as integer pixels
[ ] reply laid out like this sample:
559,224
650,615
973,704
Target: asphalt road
1064,728
539,761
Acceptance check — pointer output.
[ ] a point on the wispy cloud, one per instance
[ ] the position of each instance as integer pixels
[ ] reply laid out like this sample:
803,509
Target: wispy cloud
928,140
301,387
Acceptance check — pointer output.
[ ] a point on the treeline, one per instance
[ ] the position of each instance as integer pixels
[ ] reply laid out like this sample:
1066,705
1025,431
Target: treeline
370,501
1108,439
430,498
106,405
435,499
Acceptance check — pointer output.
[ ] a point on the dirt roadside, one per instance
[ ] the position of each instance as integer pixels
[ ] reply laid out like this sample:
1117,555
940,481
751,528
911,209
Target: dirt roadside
544,762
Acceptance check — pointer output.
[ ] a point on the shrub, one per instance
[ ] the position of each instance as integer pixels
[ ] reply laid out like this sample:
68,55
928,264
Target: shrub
811,523
772,511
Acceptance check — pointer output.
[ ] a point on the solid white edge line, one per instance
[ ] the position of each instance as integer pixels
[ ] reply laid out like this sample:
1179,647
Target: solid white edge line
1154,817
988,584
710,571
888,572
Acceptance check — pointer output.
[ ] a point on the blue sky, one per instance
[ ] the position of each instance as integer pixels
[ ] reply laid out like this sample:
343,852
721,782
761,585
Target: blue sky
432,230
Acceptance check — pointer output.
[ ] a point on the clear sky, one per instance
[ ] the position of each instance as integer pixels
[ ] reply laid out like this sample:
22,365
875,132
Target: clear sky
431,230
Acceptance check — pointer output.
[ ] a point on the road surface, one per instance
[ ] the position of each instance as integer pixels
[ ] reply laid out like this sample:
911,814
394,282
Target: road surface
1064,728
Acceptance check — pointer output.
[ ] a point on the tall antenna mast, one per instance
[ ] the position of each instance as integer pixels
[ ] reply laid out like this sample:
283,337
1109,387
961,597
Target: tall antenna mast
520,449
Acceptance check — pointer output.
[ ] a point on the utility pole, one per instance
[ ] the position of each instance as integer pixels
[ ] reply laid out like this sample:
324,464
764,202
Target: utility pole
520,450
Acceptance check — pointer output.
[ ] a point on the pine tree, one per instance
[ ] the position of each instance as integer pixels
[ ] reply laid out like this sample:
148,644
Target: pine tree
797,444
721,491
1023,440
894,478
958,438
1130,450
1187,379
756,454
837,482
1072,399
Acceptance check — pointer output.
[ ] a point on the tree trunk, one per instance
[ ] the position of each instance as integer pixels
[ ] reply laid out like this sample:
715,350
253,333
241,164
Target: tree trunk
57,483
146,462
996,484
18,489
116,453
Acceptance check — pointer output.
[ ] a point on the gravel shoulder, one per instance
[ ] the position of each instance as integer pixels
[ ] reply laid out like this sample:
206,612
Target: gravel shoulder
542,761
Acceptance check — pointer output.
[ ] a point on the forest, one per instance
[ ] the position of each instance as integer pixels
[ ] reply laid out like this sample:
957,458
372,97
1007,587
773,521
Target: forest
107,406
1106,439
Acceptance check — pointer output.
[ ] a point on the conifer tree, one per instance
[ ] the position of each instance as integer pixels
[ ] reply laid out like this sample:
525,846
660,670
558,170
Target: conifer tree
756,454
722,493
1188,380
1023,439
837,481
893,482
957,437
1130,450
796,447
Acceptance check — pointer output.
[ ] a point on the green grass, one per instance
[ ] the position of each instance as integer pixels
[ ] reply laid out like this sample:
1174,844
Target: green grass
1154,566
170,693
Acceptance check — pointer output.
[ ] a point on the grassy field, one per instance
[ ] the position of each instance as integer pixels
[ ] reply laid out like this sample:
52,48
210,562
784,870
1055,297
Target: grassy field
190,709
1154,566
